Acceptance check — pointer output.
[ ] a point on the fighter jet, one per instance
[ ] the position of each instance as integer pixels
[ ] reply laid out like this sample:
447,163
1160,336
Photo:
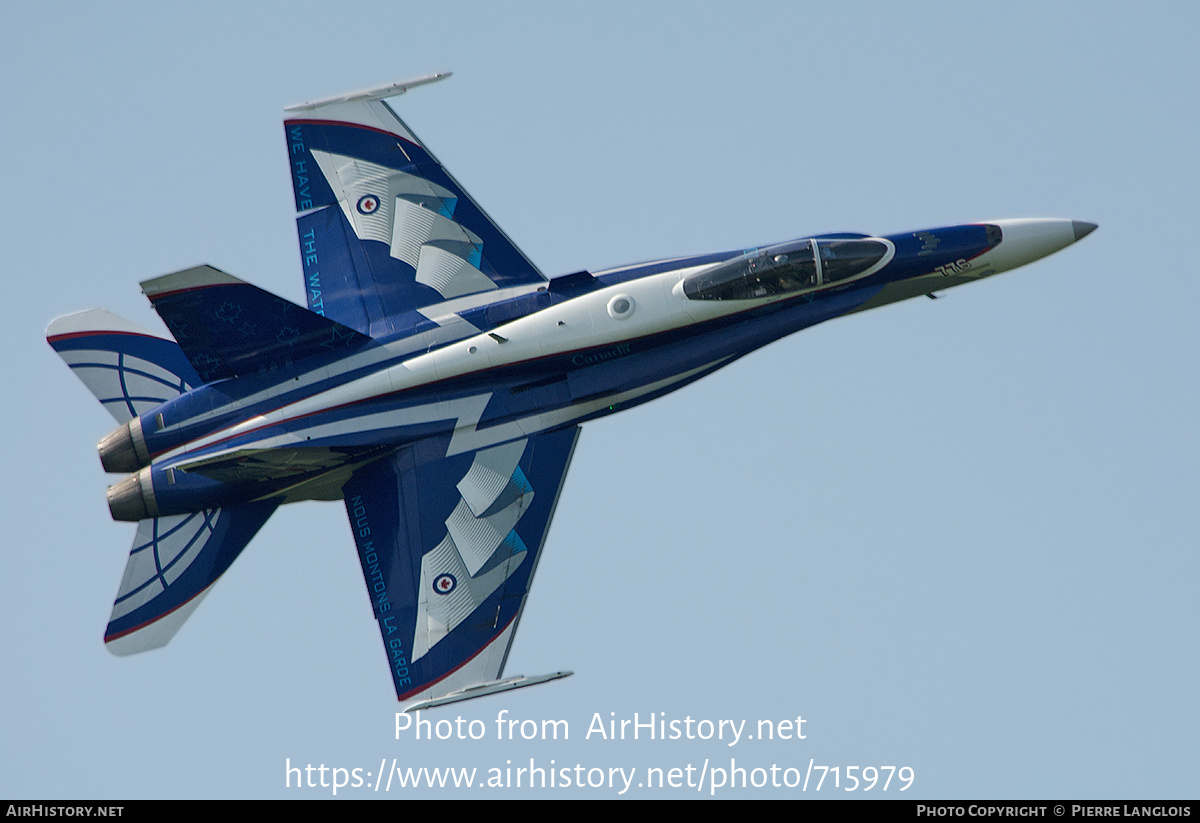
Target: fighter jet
436,384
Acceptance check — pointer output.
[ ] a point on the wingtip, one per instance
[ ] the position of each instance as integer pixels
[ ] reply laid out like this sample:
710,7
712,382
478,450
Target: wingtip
377,93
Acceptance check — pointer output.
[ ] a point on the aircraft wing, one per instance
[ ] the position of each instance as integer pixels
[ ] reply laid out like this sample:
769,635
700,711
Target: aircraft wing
448,547
384,229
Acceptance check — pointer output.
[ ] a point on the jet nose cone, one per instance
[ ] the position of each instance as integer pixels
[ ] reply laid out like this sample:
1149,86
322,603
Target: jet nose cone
1027,239
1082,229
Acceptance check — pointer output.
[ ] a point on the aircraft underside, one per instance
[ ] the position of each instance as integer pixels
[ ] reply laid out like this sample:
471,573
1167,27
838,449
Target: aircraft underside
435,382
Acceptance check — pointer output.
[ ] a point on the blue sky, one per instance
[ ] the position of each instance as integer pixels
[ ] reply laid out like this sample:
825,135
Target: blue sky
955,535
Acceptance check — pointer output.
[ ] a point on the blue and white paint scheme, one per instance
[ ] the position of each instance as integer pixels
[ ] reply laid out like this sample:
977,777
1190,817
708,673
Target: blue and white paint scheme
436,383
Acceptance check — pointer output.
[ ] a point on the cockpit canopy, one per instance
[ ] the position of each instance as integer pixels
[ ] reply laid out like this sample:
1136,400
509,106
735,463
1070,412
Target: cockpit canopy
788,268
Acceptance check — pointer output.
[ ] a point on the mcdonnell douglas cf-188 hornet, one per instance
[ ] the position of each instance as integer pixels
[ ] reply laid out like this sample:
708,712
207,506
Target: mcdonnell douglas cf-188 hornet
436,383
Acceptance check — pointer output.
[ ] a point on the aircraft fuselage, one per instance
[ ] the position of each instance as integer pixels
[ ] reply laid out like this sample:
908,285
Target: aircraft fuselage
537,359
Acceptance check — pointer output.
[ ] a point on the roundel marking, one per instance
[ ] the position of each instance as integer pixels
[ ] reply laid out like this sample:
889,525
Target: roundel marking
368,204
444,583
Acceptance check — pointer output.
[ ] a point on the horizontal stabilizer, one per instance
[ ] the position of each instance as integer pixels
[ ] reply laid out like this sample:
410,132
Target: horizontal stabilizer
484,689
128,369
227,327
172,565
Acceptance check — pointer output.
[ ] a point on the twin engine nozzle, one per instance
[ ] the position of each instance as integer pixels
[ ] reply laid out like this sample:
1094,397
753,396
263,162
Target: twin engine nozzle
124,450
121,452
132,499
